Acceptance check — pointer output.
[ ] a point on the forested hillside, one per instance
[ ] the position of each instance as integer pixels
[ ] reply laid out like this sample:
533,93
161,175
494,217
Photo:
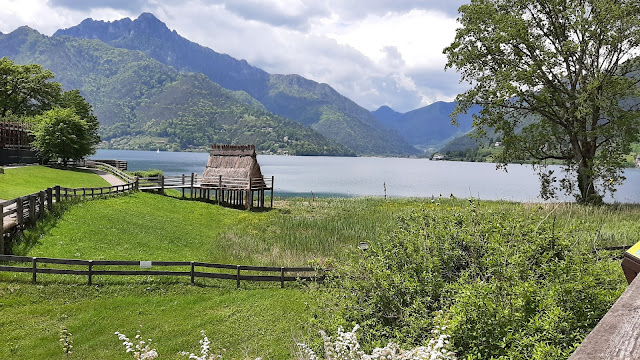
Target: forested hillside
144,104
310,103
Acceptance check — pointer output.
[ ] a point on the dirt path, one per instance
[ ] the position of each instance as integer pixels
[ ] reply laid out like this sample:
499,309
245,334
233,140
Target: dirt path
111,179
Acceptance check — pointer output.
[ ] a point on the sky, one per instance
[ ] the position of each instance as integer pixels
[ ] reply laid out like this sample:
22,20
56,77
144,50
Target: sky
376,52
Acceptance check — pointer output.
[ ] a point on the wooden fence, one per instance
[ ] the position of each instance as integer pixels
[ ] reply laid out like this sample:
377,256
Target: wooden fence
193,269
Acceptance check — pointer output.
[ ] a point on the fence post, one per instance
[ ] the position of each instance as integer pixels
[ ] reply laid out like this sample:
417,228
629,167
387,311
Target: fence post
57,187
237,276
191,191
34,269
1,229
32,209
193,280
90,272
162,184
42,204
282,278
49,198
221,190
19,211
272,178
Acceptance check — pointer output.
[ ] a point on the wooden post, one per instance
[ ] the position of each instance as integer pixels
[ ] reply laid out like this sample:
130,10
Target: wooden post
162,184
34,269
282,278
193,280
247,197
220,187
57,192
182,188
272,178
1,229
50,198
90,272
20,211
238,276
32,209
42,206
192,179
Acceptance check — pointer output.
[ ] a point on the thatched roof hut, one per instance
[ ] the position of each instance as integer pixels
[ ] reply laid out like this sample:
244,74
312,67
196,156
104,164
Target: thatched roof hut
232,161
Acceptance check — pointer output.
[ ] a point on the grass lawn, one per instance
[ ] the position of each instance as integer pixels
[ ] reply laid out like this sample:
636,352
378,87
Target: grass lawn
257,320
30,179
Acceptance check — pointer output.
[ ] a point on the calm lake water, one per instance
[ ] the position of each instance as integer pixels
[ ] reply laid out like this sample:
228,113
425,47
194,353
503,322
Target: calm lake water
338,176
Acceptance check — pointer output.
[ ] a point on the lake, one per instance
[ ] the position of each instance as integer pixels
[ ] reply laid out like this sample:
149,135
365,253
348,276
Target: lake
364,176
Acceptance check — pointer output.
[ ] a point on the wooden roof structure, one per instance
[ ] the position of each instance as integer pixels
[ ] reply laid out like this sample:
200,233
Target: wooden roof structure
232,161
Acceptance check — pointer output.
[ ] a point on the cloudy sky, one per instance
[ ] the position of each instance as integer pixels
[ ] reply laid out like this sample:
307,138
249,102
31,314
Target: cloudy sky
376,52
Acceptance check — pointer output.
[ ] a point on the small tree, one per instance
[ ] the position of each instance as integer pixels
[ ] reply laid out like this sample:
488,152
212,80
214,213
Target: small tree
557,79
61,133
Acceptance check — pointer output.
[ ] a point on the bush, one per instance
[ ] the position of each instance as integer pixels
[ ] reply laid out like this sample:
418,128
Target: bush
507,283
146,173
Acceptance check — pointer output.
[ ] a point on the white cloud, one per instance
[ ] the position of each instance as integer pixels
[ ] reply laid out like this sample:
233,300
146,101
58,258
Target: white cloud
375,52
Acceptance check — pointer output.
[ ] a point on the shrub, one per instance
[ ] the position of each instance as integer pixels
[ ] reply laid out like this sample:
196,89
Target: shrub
146,173
507,282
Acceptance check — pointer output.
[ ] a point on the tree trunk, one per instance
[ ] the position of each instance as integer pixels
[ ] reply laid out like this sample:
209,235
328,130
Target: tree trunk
586,184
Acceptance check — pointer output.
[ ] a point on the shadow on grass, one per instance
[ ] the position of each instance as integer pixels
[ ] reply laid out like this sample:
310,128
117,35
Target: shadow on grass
31,236
172,193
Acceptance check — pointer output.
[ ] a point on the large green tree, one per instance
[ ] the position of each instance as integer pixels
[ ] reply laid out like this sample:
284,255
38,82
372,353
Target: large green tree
26,90
558,80
61,133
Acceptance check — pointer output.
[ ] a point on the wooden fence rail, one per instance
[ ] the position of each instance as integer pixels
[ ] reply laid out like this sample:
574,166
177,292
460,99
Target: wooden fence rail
283,273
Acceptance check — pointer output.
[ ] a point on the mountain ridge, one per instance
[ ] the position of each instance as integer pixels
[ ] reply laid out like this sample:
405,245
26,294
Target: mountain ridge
310,103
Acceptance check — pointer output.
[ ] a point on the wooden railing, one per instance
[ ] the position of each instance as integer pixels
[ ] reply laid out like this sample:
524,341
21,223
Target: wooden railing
110,169
194,180
189,268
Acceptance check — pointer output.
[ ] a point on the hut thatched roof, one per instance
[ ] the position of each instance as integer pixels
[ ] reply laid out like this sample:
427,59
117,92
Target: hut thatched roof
232,161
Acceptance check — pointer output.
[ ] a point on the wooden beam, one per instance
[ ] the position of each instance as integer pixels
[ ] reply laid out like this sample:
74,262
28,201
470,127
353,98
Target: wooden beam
616,335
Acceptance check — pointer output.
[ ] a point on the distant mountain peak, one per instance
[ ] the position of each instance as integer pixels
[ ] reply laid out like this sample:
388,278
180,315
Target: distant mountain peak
386,115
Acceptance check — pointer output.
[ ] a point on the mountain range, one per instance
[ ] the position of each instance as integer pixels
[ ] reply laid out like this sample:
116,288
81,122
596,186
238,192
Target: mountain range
152,87
427,128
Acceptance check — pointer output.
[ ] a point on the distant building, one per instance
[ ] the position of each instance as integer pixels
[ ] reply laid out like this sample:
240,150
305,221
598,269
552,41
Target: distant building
437,156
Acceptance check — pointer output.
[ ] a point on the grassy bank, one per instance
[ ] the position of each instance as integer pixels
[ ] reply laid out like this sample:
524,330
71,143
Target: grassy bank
29,179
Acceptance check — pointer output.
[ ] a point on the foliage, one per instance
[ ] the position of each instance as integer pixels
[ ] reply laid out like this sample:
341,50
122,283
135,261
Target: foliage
67,341
25,90
556,80
509,283
146,173
141,350
61,133
346,347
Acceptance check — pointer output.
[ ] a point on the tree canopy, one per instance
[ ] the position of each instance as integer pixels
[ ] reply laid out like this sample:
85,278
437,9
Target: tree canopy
557,80
61,133
26,90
